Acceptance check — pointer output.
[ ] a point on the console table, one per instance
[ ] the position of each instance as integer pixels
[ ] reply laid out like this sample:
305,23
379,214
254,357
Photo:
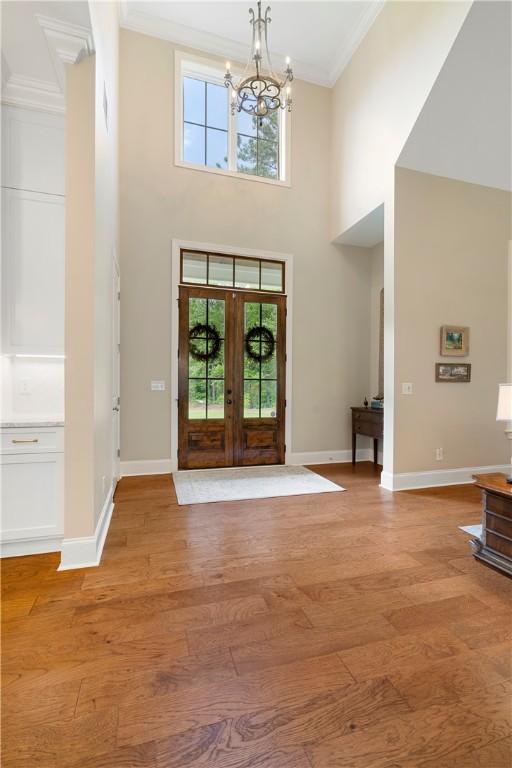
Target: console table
495,545
368,422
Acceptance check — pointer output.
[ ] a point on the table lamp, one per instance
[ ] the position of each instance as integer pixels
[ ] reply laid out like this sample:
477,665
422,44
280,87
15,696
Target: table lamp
505,412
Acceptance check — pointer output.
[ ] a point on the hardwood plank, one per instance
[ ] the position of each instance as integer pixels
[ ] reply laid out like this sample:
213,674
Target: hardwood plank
236,633
404,652
435,613
307,720
495,755
381,581
501,655
159,600
116,688
60,745
302,644
207,748
414,739
447,680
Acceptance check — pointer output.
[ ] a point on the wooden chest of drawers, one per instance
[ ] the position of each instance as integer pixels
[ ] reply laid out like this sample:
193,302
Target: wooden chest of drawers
495,544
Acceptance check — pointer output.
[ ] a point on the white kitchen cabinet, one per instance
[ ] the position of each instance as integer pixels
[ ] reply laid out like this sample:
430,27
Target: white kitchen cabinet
32,483
33,150
32,272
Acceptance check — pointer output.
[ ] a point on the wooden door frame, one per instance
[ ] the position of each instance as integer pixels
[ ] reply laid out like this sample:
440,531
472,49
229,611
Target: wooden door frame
230,250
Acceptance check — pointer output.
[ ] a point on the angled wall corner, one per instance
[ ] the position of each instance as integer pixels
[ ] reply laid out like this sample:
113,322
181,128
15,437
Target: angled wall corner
378,98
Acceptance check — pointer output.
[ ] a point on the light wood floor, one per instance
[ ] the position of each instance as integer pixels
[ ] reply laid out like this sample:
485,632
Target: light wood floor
350,629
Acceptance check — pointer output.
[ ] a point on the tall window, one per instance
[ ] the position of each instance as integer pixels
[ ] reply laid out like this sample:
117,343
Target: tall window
210,138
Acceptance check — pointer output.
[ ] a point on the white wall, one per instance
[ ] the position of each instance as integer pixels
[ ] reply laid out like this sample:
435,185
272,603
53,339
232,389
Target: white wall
464,130
378,98
160,201
105,27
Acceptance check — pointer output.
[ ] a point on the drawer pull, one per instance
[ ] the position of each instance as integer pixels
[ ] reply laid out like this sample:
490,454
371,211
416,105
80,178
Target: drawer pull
34,440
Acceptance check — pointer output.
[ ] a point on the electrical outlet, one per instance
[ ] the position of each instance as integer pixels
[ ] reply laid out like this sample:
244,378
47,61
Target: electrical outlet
439,454
157,386
407,388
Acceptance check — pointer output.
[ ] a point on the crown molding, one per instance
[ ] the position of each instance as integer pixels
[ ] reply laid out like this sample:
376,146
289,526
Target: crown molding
150,24
354,40
67,43
30,93
225,48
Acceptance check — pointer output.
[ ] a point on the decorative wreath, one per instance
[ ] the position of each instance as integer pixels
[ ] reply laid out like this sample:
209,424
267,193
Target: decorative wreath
260,352
208,332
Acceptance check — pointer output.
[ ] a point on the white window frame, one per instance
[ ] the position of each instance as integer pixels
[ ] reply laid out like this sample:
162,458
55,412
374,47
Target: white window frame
187,65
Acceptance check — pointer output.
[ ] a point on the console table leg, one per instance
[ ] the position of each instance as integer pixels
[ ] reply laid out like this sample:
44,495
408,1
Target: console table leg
353,447
375,450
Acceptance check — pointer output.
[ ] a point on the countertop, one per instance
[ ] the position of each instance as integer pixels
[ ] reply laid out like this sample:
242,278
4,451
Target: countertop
34,422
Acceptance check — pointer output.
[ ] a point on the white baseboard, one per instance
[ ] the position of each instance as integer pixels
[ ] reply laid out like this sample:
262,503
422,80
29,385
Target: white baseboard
165,466
404,481
19,547
151,467
329,457
85,552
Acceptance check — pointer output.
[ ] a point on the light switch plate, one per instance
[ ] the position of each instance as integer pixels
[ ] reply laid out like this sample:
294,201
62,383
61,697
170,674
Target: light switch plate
407,388
157,386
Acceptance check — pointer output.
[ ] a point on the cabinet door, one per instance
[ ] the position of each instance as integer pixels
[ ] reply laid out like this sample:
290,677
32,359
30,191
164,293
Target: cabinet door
33,272
32,496
32,150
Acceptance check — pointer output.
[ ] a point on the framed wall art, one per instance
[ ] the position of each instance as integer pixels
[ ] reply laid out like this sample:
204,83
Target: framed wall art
454,341
455,372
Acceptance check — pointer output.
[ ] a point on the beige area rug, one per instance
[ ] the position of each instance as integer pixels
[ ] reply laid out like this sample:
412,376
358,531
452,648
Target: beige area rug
202,486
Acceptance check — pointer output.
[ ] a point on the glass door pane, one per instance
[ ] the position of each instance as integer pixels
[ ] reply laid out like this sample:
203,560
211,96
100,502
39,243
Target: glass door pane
260,355
206,364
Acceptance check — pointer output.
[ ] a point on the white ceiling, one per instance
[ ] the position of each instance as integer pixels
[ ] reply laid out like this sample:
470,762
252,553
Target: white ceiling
320,37
464,131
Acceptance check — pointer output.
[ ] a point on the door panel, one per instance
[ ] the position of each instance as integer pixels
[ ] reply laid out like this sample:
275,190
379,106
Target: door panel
205,366
231,378
260,329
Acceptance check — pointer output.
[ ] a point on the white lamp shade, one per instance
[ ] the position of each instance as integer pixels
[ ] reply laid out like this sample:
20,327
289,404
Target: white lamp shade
504,403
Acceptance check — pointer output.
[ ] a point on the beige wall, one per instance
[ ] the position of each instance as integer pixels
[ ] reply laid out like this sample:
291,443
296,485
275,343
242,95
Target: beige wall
376,286
79,300
378,98
160,201
451,245
91,240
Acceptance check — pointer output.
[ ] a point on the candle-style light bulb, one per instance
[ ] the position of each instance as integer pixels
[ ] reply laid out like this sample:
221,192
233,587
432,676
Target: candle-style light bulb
287,61
228,65
257,45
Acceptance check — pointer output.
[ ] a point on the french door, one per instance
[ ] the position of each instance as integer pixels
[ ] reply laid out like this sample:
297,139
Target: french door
231,398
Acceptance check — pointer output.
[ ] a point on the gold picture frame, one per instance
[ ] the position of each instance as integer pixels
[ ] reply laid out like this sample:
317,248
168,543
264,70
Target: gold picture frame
454,341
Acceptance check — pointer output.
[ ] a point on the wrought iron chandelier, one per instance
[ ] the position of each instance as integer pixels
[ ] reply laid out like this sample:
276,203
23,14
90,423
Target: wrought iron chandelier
262,92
